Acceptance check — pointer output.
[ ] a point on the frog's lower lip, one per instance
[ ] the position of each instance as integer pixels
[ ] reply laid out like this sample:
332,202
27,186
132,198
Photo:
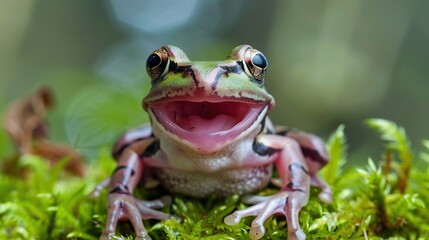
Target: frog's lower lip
207,126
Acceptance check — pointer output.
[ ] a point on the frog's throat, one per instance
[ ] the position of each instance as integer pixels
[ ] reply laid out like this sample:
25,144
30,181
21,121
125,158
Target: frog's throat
205,126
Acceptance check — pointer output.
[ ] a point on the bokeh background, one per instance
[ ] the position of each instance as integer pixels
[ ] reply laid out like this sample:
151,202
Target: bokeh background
331,62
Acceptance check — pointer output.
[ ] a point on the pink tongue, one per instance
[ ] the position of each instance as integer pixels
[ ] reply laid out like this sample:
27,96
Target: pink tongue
198,124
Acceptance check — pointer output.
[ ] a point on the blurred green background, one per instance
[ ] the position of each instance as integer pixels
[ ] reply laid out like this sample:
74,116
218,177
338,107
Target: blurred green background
331,62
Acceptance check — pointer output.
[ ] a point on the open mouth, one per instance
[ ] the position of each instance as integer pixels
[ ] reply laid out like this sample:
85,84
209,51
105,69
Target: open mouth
207,125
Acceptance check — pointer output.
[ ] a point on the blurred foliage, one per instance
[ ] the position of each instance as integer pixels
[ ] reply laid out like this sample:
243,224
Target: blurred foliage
100,114
50,205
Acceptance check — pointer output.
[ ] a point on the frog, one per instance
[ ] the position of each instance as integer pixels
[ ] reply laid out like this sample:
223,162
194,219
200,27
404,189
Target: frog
209,133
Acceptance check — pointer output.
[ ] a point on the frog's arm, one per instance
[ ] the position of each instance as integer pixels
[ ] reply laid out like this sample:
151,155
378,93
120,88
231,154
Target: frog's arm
125,141
294,193
131,137
130,151
315,155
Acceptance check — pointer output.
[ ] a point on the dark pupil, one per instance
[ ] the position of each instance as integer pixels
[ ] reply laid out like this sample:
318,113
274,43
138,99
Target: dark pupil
259,61
153,60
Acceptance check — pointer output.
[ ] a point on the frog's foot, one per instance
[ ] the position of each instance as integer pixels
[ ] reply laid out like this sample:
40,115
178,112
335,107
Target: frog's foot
288,203
125,206
326,192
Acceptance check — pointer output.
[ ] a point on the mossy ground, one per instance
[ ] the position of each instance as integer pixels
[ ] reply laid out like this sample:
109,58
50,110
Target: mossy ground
384,200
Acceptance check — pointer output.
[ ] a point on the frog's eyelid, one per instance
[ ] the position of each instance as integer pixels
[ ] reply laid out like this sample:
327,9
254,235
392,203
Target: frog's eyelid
238,52
176,54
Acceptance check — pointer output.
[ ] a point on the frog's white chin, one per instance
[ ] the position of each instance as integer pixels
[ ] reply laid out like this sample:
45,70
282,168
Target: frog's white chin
207,127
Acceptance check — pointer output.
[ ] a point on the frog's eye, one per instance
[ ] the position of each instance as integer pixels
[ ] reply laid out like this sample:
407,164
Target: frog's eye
255,64
157,63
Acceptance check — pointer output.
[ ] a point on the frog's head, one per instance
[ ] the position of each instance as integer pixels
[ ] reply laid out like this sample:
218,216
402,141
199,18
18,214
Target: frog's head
207,105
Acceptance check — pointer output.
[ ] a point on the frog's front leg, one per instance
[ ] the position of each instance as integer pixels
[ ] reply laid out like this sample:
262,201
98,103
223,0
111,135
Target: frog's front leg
121,202
293,195
316,156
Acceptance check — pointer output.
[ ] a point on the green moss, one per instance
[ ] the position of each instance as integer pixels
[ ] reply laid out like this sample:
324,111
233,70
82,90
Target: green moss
384,200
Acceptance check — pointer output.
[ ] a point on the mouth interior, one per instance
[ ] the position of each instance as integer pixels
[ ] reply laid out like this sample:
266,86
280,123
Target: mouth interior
204,117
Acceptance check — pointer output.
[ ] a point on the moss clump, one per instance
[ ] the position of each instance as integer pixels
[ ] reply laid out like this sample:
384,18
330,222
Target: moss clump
384,200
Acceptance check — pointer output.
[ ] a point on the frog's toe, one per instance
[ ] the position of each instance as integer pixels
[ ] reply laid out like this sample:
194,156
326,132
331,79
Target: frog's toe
277,182
254,199
149,213
106,236
297,235
143,236
155,204
232,219
147,208
257,231
326,197
236,216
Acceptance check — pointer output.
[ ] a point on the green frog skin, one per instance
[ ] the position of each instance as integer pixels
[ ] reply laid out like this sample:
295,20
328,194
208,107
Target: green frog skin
209,133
